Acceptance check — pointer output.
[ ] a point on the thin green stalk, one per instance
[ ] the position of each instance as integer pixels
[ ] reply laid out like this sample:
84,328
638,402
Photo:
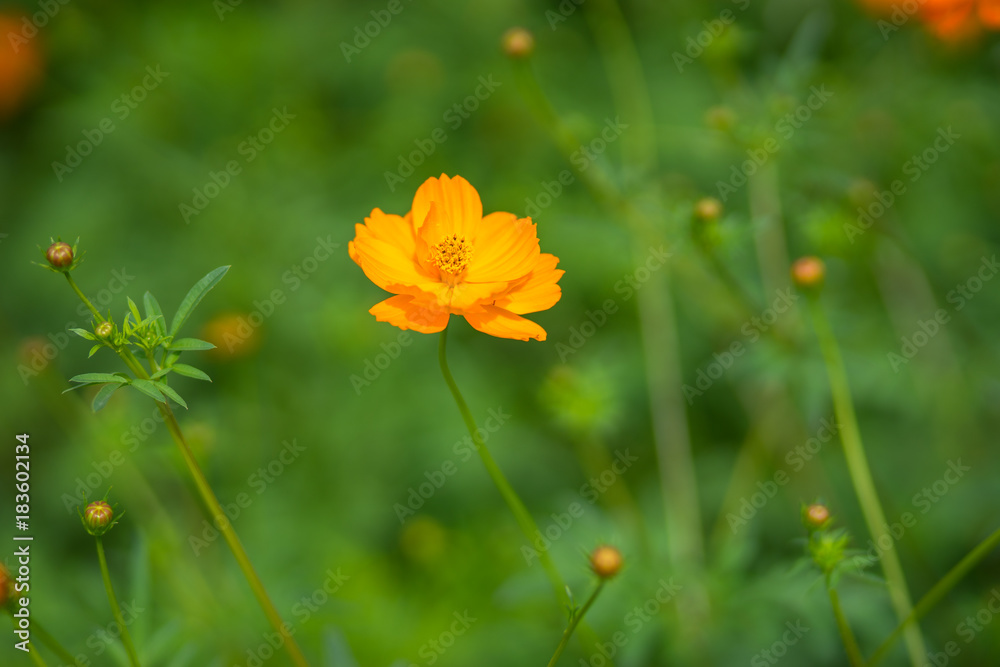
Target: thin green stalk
573,622
521,514
846,635
52,643
934,595
35,657
133,658
861,477
211,503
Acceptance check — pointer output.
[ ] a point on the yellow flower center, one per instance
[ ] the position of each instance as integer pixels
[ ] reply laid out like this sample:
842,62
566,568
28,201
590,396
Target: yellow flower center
452,254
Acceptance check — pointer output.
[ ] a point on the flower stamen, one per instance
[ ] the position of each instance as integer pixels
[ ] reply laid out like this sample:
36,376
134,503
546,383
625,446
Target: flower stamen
452,254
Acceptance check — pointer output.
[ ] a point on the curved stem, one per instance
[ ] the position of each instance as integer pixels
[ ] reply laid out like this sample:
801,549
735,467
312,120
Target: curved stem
52,643
35,657
861,477
83,297
521,514
573,622
846,635
940,589
115,609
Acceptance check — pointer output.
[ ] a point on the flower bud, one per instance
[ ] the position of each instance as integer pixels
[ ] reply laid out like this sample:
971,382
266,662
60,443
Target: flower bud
60,255
518,43
6,586
103,330
815,516
720,118
97,518
808,272
606,561
707,209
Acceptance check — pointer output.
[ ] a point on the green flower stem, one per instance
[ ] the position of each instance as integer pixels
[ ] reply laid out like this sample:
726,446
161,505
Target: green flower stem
861,477
521,514
35,657
846,635
211,502
934,595
133,659
83,297
573,622
53,644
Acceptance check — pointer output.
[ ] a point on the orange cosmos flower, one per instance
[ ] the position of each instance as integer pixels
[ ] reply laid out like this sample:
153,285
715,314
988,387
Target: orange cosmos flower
951,20
445,258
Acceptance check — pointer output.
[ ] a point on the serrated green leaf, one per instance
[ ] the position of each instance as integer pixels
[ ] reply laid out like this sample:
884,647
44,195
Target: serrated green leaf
94,350
194,297
98,378
166,389
105,392
160,373
83,333
189,345
135,310
150,389
191,372
153,310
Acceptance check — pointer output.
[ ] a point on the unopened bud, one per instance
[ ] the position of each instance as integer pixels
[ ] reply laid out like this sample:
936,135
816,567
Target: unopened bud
707,209
60,255
97,518
606,561
518,43
815,516
103,329
808,272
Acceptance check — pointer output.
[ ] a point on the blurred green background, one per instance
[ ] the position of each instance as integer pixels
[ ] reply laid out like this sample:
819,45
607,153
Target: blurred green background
340,120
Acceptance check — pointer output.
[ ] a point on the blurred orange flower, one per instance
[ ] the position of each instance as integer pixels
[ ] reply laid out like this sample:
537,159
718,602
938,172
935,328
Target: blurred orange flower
445,258
20,64
951,20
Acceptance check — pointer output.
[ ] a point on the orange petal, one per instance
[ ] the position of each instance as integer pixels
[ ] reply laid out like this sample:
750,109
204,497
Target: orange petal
540,292
457,202
387,265
395,229
989,13
464,296
504,324
407,312
949,19
506,248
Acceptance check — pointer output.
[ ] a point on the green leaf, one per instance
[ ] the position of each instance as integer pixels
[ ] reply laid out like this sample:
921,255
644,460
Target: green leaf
194,297
160,373
94,350
150,389
191,372
101,399
165,388
171,358
153,311
83,333
189,344
98,378
135,310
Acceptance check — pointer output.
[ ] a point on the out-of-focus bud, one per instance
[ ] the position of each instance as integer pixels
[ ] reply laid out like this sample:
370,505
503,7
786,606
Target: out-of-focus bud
98,518
707,209
232,335
808,272
518,43
60,255
720,118
815,516
104,330
6,586
606,562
